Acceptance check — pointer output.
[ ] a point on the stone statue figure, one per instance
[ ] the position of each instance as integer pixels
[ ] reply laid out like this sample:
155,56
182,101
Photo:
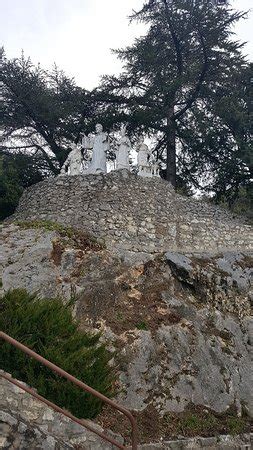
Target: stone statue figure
143,155
123,151
99,144
72,165
155,167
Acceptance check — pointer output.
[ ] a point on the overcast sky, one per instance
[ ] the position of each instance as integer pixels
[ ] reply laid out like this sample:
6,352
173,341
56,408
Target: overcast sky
78,34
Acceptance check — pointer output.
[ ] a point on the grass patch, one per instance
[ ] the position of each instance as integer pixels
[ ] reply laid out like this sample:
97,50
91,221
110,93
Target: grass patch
196,425
236,425
196,421
77,238
142,326
47,225
199,421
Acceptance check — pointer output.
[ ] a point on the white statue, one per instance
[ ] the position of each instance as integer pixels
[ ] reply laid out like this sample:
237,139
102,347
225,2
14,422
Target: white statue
99,145
143,159
72,165
155,168
123,151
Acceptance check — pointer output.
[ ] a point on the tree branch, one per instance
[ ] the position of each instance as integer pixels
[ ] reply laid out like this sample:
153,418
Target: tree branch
175,41
198,86
18,147
38,125
47,158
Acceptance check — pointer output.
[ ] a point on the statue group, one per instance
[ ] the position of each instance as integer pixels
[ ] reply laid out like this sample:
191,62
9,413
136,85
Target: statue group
95,150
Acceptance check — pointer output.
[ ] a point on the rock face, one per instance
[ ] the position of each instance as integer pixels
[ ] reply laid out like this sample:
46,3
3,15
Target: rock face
134,214
179,321
171,289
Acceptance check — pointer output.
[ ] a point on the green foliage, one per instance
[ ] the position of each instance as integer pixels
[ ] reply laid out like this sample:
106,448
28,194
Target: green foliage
240,203
142,326
204,422
233,169
197,425
78,238
186,85
243,204
47,327
236,425
47,225
10,190
17,172
42,111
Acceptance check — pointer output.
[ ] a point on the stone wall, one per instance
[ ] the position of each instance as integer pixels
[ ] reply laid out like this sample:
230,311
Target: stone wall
25,422
244,442
134,214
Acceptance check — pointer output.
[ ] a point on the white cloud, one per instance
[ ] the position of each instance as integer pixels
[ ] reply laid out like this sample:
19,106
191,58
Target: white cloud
78,34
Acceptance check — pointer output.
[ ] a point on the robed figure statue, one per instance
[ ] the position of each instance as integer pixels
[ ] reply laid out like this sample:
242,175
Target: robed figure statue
123,151
99,144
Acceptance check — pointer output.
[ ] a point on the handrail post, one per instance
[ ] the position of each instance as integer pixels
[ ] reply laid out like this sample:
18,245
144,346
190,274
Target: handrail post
134,435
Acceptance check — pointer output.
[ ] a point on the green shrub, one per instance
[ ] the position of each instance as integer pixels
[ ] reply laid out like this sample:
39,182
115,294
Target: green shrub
47,327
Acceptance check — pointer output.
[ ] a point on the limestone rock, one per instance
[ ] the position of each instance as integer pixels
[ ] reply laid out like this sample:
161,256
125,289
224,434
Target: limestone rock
171,290
179,321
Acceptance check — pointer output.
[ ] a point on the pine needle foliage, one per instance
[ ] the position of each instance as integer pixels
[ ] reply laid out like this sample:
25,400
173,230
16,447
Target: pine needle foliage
185,84
47,327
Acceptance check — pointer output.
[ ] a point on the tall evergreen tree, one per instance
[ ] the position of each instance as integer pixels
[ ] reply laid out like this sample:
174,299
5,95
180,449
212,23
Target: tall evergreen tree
233,106
172,78
42,112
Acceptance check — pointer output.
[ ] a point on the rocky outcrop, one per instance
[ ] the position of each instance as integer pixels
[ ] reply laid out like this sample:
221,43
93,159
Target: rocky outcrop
177,322
39,260
168,282
134,214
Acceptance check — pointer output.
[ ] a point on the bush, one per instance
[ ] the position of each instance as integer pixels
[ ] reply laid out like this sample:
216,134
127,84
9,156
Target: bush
17,172
47,327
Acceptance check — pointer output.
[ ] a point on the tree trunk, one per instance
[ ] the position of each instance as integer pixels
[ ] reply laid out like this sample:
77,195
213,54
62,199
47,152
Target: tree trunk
171,150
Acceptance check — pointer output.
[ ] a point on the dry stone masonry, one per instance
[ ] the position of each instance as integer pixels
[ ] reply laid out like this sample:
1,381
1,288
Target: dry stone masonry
27,423
135,214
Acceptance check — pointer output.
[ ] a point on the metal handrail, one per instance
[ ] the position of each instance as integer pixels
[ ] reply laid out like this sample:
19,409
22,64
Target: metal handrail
77,382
